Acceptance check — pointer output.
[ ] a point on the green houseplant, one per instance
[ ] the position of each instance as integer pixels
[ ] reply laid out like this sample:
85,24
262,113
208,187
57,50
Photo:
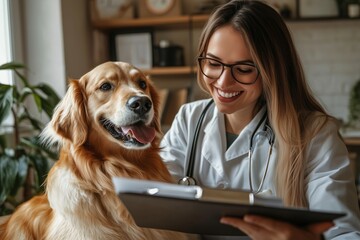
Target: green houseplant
354,107
24,161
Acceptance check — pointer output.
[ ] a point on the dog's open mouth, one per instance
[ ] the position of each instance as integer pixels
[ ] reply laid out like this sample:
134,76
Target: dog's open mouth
135,134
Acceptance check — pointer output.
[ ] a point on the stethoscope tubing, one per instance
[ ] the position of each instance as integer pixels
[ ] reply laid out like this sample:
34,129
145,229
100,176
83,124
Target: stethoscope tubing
251,149
190,180
190,169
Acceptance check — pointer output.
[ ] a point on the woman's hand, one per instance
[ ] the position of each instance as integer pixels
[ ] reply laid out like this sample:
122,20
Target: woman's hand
257,228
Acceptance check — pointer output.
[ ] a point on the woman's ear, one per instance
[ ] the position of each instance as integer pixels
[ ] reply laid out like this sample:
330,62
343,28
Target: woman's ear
69,120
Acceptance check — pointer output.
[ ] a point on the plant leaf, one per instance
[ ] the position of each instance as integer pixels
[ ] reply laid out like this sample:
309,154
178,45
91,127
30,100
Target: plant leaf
38,102
8,171
48,107
354,105
26,91
35,123
51,151
31,143
15,162
48,91
49,98
6,100
2,143
35,143
22,78
11,66
42,167
23,165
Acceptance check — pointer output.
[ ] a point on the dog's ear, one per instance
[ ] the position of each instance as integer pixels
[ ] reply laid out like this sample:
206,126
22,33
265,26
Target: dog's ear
69,120
156,103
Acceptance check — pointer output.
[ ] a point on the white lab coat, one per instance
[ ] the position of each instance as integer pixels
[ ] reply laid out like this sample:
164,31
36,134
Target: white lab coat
330,184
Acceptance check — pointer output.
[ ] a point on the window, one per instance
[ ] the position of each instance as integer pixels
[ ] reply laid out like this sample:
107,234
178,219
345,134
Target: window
6,77
5,41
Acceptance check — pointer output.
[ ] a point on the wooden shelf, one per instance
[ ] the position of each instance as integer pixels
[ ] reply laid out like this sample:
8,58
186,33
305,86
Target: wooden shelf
184,70
188,21
177,21
158,22
352,141
320,19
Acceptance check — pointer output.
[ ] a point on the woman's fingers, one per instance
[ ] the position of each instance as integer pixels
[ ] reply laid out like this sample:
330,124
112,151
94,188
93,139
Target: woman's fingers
319,227
248,228
258,227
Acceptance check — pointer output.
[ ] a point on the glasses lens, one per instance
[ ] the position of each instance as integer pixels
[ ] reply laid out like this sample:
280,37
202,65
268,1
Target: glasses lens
211,68
245,73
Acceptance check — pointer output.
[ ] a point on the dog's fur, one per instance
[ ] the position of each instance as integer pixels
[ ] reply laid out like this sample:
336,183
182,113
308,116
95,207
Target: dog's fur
80,202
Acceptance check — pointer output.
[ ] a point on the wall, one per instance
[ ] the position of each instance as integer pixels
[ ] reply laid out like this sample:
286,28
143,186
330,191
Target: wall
43,45
53,39
330,53
77,37
58,45
56,41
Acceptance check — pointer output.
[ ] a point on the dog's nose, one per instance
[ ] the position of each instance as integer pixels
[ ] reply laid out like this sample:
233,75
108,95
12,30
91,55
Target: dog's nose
139,105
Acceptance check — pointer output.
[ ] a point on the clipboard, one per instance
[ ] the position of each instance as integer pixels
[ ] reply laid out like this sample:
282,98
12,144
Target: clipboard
197,210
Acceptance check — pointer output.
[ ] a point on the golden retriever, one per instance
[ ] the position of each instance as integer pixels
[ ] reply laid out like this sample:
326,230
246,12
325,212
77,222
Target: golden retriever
107,125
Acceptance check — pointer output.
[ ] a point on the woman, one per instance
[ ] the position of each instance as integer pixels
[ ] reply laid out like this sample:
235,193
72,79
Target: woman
248,64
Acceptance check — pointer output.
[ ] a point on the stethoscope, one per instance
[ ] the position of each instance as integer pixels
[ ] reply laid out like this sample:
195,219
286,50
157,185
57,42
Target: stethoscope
267,132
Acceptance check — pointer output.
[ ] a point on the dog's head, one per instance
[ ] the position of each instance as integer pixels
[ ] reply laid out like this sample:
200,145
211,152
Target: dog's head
114,104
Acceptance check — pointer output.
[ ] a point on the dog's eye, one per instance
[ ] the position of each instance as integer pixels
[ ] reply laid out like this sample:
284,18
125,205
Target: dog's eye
142,84
106,87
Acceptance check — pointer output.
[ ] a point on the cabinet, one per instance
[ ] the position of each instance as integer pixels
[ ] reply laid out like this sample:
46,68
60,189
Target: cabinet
353,146
184,31
188,24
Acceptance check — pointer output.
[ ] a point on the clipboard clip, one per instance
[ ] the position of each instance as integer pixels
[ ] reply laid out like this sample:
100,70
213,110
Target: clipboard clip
188,192
255,199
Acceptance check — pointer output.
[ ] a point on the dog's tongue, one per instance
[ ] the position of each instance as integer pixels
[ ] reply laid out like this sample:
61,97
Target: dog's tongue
142,134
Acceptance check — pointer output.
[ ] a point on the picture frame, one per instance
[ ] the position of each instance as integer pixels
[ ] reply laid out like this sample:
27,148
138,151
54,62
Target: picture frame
111,9
135,48
159,8
317,8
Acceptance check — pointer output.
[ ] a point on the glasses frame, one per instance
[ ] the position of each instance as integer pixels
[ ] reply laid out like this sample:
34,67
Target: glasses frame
231,69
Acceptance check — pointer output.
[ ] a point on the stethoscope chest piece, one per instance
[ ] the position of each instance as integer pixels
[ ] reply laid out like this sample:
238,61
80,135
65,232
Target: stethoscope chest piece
187,181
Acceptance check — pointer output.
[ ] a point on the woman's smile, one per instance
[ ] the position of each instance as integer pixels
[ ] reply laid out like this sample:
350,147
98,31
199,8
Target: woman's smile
227,95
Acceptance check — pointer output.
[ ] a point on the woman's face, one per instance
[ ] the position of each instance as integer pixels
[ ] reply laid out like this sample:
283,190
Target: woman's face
228,46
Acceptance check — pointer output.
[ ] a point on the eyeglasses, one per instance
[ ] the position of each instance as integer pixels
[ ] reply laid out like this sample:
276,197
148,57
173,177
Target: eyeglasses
244,73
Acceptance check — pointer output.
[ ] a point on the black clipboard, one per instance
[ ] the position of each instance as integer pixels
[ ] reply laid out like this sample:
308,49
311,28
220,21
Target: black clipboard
196,210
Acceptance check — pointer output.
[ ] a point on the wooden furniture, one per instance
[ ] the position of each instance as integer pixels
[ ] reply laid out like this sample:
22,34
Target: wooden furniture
187,28
181,30
188,22
353,146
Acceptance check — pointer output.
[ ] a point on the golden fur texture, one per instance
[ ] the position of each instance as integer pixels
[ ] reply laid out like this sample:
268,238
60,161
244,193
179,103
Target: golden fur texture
80,202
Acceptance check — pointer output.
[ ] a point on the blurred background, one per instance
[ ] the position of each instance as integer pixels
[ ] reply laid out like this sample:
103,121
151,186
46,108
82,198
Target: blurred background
61,39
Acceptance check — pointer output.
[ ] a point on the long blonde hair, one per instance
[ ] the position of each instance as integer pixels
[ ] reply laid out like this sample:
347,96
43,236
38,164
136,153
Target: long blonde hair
292,107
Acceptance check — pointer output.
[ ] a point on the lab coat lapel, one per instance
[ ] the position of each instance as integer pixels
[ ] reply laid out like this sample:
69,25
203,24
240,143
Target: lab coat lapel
214,139
214,148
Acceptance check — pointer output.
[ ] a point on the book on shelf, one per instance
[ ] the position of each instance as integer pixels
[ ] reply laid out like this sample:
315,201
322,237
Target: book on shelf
163,95
175,99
